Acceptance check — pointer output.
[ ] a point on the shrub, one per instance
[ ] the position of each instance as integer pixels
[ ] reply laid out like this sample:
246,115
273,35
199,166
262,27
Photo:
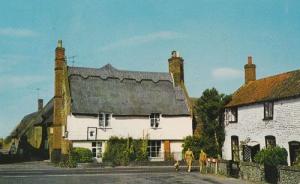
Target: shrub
272,156
195,143
82,155
140,150
119,151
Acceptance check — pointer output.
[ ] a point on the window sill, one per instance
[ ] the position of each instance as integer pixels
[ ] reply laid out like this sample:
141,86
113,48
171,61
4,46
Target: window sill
105,128
155,128
232,121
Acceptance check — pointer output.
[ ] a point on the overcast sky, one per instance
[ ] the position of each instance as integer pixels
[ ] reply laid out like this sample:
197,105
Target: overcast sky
214,37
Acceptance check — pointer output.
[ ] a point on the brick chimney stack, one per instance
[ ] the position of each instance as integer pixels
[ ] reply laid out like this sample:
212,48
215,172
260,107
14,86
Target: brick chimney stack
40,104
250,71
60,65
176,68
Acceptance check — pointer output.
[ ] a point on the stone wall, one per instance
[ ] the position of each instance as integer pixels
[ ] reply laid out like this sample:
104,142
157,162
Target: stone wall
252,172
224,168
289,175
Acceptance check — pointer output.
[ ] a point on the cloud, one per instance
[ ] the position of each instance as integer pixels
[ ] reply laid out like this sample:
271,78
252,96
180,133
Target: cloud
17,32
226,73
142,39
19,81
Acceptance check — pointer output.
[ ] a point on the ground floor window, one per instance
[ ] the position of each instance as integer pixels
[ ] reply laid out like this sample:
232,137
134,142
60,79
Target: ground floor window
97,149
235,148
249,152
154,149
294,148
270,141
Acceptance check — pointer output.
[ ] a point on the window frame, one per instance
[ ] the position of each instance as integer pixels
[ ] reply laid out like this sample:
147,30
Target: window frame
89,130
97,149
233,139
270,114
105,121
229,112
155,120
154,149
269,137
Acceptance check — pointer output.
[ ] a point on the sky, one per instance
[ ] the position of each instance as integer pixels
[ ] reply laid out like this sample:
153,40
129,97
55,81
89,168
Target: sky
214,37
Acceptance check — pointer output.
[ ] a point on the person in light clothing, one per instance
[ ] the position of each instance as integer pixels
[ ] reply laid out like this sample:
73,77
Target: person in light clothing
189,157
202,161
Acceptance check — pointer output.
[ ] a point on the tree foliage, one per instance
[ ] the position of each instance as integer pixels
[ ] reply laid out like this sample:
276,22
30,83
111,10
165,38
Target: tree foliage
195,143
210,108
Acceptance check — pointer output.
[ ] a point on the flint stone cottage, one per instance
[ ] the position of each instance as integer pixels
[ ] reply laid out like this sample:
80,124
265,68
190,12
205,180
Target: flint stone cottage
93,104
263,113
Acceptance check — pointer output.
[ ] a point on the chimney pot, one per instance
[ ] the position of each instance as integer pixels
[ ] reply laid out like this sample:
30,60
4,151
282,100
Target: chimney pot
175,54
40,104
249,60
59,44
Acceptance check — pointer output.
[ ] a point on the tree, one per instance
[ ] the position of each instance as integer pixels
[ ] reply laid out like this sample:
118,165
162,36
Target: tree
210,108
195,143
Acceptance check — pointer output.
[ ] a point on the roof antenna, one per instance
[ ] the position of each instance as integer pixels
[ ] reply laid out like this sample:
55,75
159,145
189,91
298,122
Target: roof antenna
72,59
38,92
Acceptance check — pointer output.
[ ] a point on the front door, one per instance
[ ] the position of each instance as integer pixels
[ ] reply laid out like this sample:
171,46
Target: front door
294,147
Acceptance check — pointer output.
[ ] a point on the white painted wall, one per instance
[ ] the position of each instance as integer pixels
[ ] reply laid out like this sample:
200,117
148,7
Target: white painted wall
171,128
176,149
285,125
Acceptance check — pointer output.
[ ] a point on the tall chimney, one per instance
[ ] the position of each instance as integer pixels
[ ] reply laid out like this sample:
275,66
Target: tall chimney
176,68
250,71
40,104
60,65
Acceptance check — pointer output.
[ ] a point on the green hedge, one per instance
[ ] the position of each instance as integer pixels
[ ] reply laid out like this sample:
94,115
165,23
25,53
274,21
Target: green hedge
120,151
77,155
82,155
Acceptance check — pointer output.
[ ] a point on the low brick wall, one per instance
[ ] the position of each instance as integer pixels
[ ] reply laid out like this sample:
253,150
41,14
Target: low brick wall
252,172
289,174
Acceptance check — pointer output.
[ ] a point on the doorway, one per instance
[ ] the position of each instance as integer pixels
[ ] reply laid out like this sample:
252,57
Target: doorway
294,148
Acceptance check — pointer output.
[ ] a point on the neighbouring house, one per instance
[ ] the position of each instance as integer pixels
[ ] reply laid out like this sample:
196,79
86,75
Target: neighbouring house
29,139
263,112
93,104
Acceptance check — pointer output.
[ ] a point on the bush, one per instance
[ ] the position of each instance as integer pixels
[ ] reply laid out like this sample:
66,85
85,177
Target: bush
120,151
272,156
82,155
195,143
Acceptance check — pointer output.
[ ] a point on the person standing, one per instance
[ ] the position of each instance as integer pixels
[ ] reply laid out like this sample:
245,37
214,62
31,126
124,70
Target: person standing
189,156
202,161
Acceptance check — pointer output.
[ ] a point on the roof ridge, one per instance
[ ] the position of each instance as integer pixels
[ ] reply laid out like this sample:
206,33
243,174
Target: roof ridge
119,70
276,75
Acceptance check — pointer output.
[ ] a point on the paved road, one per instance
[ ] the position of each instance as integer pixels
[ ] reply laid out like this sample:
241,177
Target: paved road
149,175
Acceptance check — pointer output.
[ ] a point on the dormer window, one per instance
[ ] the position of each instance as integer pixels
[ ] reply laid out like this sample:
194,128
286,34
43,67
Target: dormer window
104,120
154,120
231,115
268,110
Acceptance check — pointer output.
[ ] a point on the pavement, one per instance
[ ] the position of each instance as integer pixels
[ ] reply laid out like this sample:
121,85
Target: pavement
42,172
